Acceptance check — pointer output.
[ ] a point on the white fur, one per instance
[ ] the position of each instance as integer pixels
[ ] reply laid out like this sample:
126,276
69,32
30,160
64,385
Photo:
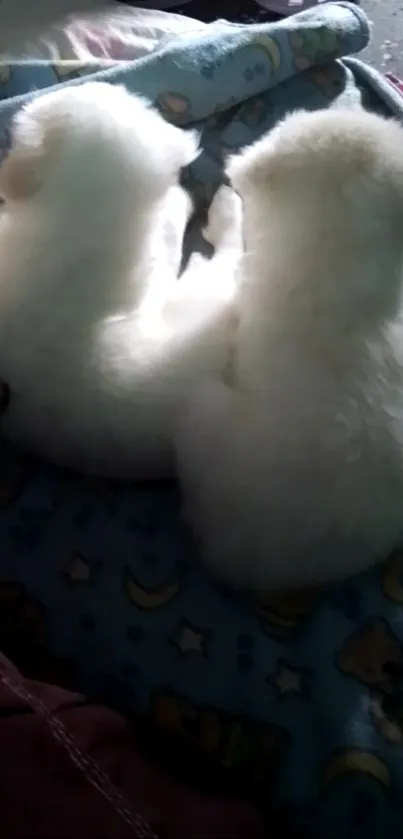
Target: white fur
293,474
99,341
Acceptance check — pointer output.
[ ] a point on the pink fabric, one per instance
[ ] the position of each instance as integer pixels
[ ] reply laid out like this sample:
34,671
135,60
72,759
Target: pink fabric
395,81
70,769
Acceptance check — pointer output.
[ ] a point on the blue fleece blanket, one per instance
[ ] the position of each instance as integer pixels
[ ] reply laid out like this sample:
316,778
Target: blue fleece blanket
304,694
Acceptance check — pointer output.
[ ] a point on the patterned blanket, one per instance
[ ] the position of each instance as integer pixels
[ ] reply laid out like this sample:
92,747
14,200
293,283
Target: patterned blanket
302,696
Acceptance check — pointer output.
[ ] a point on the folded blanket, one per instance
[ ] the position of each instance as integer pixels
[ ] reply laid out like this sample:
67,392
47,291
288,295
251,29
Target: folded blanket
302,697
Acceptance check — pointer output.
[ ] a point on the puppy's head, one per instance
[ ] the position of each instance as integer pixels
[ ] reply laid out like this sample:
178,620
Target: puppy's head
323,205
333,164
96,126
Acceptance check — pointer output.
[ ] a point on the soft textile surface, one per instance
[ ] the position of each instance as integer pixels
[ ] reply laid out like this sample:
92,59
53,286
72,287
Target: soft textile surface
303,697
72,770
123,35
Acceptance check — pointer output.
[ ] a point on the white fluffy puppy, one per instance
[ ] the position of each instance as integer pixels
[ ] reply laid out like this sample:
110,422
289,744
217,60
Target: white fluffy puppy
99,342
293,474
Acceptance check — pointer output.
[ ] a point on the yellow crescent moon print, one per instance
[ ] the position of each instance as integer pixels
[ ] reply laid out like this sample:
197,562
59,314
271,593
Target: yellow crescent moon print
354,761
270,47
274,619
392,577
282,613
146,598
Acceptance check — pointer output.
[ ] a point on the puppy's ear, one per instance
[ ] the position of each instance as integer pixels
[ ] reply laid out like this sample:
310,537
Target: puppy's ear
250,169
32,142
258,164
19,177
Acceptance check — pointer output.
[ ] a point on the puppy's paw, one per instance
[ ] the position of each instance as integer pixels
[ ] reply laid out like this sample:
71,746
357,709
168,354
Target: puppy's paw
224,217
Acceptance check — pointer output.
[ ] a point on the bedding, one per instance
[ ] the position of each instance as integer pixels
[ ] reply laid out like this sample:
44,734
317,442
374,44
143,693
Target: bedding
74,769
121,35
302,697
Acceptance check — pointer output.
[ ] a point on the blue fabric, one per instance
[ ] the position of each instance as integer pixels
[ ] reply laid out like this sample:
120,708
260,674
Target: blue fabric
296,693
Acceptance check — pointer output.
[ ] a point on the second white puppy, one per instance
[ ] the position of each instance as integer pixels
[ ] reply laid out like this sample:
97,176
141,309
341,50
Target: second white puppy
99,341
293,475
